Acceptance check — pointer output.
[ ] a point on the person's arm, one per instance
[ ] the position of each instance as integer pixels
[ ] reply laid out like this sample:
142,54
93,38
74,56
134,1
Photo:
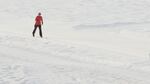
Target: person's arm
35,18
42,20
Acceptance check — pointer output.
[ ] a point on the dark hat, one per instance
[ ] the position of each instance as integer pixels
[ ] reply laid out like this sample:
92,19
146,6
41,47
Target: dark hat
39,13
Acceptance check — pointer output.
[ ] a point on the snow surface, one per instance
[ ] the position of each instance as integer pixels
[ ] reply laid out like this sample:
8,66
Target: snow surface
85,42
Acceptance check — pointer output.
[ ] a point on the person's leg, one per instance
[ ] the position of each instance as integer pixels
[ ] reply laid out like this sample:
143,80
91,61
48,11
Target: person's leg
35,27
40,31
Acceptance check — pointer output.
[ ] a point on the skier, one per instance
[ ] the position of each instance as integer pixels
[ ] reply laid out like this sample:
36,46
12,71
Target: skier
38,24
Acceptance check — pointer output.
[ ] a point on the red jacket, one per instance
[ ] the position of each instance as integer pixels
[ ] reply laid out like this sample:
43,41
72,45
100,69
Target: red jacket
38,20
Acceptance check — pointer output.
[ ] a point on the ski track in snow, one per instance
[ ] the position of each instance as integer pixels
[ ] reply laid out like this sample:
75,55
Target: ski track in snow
43,61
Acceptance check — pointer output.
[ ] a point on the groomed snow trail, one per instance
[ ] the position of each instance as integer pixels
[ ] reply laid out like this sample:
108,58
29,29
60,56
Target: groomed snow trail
27,60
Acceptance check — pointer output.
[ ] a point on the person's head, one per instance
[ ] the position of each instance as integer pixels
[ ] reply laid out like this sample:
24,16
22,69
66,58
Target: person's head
39,13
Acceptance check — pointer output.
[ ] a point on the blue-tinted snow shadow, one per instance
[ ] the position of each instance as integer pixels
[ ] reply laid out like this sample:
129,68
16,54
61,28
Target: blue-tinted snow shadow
108,25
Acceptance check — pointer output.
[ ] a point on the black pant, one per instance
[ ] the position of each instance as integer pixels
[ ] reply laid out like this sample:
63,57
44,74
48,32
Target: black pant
40,30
